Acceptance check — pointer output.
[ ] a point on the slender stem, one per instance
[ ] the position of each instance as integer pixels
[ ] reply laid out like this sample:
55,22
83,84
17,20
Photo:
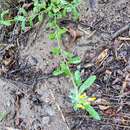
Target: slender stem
65,61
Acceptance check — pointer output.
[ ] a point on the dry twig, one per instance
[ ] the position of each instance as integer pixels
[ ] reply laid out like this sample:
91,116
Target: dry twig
120,31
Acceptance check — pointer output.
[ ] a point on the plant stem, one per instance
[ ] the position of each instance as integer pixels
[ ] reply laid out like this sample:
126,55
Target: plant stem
65,61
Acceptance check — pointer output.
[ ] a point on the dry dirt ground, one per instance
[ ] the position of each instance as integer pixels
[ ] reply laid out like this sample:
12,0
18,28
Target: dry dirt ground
35,100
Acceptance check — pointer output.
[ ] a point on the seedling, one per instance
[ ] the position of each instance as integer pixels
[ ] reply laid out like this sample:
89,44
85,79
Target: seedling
70,59
4,21
79,98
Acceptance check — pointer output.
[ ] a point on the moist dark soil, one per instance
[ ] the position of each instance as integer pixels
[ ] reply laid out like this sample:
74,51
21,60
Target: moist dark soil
33,99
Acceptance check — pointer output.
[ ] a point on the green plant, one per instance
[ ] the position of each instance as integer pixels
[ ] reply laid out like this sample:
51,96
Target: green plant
57,10
54,9
4,21
79,98
77,95
70,59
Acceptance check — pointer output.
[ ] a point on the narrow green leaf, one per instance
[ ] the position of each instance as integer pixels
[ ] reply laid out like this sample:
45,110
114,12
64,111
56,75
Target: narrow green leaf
23,11
4,13
77,78
64,12
60,32
69,9
55,51
40,18
57,72
23,24
74,60
68,54
35,10
52,36
41,6
2,116
31,21
5,22
92,112
75,13
65,69
55,1
50,14
35,2
87,84
20,18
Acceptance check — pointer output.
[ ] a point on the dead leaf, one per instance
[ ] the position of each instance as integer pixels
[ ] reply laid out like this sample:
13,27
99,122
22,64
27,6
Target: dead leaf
74,34
103,107
9,57
126,82
110,112
108,72
124,38
103,56
27,5
102,101
103,104
88,65
124,120
10,128
69,43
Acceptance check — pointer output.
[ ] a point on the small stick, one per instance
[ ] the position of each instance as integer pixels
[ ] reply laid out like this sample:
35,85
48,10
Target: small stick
61,112
124,38
120,31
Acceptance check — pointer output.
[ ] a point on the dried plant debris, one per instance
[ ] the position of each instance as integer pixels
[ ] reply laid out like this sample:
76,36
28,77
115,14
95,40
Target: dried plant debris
9,59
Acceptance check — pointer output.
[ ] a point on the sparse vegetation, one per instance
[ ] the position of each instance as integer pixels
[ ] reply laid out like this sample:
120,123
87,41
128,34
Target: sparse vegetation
57,10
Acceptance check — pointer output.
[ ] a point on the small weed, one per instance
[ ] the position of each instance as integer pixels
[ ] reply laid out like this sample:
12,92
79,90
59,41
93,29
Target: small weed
57,10
78,97
70,59
4,21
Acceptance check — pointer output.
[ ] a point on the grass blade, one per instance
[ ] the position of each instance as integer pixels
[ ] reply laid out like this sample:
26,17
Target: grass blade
77,78
5,22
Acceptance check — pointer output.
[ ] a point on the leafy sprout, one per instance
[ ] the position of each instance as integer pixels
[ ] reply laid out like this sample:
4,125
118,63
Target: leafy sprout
4,21
79,98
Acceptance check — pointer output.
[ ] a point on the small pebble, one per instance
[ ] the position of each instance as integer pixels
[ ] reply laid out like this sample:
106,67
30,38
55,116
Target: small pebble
106,127
49,110
32,60
46,120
